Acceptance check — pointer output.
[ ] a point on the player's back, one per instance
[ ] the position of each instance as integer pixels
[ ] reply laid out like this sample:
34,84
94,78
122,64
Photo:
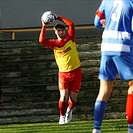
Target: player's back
118,32
118,14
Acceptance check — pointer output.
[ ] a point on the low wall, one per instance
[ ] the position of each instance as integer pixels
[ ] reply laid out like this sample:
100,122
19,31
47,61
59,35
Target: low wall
29,83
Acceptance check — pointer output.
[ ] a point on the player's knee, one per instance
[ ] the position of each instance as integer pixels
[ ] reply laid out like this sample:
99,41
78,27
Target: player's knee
63,98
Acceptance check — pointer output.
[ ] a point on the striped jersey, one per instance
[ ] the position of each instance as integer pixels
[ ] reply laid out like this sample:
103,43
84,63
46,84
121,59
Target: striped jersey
117,37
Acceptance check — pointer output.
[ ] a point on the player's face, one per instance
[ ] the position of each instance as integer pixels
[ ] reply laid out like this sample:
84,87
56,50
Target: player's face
60,32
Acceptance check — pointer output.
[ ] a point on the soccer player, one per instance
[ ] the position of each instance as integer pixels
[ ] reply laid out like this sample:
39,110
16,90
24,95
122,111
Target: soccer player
116,17
68,62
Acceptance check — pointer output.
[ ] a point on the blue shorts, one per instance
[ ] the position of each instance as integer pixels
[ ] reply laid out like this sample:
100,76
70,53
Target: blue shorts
112,65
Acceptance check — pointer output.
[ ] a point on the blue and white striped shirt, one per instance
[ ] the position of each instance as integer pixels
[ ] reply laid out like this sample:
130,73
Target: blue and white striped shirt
117,37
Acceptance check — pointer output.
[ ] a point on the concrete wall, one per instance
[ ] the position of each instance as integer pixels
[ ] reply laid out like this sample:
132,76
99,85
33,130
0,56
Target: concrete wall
27,13
29,83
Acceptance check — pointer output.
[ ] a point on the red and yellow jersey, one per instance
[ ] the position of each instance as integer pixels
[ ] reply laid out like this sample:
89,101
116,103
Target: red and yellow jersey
67,57
65,51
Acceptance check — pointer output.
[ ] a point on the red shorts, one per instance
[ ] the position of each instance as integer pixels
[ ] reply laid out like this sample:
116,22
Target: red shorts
70,80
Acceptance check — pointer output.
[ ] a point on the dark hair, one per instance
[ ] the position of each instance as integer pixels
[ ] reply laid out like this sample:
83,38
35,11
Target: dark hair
59,26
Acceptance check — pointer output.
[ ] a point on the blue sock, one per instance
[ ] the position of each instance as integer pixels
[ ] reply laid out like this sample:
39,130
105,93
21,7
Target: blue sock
99,110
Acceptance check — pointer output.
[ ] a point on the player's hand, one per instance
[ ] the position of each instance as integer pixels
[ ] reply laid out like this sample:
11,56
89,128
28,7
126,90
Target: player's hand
44,24
56,16
103,22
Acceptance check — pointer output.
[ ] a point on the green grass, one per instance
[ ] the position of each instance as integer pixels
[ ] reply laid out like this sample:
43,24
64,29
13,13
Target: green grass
108,126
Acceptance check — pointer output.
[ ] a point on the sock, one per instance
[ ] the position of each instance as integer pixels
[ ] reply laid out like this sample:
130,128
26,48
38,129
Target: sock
129,108
71,105
130,127
62,107
99,110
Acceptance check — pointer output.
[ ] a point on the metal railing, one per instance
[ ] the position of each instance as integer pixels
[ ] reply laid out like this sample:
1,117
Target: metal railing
34,29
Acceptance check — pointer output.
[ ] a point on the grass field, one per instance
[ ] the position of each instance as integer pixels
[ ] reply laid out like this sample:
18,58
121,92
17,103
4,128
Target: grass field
109,126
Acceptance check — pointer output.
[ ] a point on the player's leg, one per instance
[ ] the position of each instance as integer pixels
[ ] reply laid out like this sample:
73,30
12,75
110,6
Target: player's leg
126,63
129,107
62,104
72,99
71,104
107,75
64,93
100,104
75,78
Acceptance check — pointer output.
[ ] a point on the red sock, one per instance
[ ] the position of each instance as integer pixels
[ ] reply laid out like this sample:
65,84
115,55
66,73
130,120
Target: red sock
71,105
129,108
62,107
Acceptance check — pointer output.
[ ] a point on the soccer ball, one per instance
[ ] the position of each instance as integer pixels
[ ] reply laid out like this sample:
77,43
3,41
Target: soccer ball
48,17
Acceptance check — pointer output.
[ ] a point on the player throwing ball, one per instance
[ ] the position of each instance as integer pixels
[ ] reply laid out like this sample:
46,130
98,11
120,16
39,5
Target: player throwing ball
116,17
68,62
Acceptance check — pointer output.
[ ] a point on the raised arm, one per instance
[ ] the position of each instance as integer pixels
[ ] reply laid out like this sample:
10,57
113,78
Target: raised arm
71,27
42,37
